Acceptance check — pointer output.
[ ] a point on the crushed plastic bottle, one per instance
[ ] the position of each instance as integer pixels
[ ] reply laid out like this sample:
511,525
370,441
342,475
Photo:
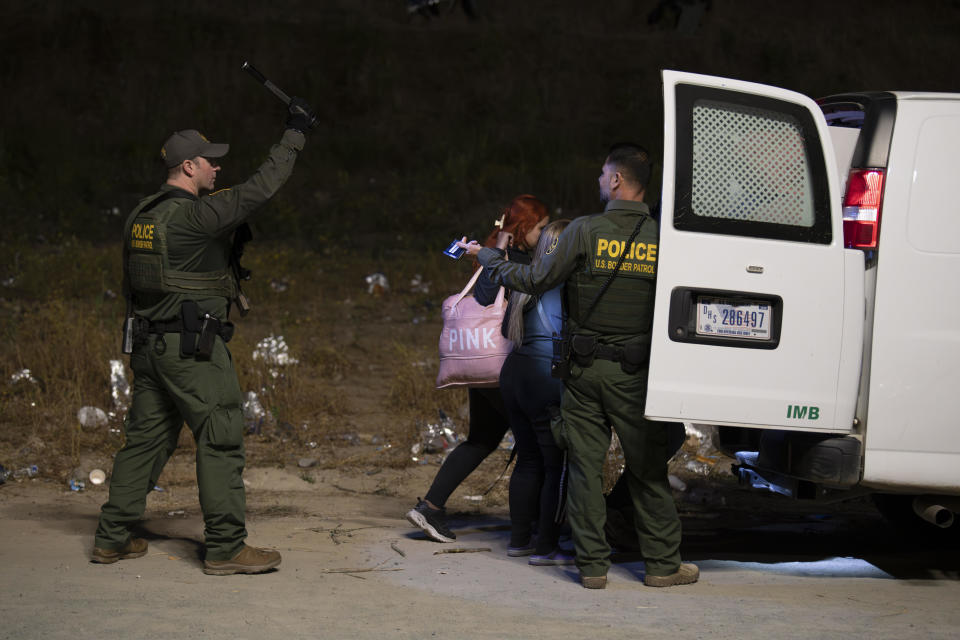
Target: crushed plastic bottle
437,438
273,351
23,375
377,284
25,472
91,417
253,413
417,285
119,387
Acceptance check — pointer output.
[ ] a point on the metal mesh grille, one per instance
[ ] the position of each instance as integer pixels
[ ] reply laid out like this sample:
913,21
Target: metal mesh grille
749,164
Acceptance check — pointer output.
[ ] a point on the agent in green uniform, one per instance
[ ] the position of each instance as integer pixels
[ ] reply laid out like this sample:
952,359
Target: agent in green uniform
180,278
608,263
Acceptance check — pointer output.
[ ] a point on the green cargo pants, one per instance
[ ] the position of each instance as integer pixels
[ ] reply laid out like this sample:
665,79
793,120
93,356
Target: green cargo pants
168,390
601,397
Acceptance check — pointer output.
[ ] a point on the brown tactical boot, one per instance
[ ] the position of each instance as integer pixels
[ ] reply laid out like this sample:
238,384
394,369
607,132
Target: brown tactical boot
135,548
686,574
593,582
247,560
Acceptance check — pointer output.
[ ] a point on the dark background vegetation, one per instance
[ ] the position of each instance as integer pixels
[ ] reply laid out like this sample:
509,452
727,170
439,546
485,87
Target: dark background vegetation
427,126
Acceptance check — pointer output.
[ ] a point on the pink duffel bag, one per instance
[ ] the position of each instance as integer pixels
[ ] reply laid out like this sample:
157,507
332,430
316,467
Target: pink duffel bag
472,349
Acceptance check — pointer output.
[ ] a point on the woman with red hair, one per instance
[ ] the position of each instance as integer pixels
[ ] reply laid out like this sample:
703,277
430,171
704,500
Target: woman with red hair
515,234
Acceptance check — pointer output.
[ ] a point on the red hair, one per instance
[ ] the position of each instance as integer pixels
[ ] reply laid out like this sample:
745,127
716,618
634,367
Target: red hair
520,216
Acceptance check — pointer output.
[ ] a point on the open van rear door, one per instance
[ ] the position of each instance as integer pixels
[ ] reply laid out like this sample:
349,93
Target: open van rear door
759,310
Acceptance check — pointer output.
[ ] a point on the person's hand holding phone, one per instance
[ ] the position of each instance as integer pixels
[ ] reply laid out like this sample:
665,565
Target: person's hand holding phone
472,248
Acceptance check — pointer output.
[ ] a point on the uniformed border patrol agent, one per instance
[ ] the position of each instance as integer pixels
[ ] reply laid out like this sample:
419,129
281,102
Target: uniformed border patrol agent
608,262
180,277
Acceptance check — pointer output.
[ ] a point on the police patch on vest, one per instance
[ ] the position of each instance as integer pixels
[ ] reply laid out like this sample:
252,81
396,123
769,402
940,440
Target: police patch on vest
640,259
141,236
553,245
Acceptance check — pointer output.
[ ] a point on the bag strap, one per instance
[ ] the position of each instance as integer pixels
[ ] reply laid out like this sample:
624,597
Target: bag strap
473,280
545,319
470,283
513,454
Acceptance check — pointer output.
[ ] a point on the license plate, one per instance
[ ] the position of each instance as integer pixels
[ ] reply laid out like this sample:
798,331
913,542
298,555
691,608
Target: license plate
750,319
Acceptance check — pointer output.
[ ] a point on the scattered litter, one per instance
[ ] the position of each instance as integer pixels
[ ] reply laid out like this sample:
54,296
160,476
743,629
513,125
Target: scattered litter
478,498
91,417
279,285
76,485
393,545
9,282
97,476
23,375
676,483
463,550
119,387
25,472
306,463
273,350
109,294
436,438
377,284
158,488
352,438
417,285
253,413
178,512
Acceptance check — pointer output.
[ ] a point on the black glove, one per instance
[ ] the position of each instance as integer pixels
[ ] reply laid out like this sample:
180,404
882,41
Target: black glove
300,115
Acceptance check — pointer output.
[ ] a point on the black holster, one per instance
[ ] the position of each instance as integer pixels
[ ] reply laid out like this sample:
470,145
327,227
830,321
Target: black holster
560,363
583,350
634,357
189,328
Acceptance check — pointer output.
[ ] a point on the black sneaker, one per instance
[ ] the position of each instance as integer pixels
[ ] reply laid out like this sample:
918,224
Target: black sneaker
430,521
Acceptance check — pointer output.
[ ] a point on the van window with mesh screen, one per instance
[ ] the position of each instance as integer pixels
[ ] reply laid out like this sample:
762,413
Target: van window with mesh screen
749,165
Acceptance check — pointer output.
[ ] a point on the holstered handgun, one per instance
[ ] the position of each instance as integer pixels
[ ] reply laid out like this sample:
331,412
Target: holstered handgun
189,327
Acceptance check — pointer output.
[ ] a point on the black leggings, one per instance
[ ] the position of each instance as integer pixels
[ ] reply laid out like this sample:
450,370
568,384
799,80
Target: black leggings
537,487
488,425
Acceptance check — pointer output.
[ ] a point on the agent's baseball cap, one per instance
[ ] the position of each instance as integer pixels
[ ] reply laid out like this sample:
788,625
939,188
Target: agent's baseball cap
190,143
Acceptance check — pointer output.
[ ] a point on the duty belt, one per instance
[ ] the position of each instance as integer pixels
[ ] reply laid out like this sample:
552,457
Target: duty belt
225,330
631,356
608,352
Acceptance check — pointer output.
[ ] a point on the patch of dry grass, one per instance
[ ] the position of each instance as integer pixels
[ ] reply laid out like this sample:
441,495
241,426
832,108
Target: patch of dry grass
363,378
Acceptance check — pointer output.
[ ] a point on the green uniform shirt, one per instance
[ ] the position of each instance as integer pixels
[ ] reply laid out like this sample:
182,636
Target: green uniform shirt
583,257
200,232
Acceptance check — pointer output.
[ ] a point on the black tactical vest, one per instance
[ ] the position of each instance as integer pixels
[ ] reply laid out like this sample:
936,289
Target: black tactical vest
146,261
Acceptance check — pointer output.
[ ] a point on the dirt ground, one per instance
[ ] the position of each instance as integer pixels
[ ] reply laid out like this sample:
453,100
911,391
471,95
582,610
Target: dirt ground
354,568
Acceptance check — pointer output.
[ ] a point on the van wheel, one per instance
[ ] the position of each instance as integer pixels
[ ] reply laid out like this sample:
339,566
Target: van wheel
897,509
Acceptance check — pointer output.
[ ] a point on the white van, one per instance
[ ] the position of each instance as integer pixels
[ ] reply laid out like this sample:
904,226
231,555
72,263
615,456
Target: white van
808,251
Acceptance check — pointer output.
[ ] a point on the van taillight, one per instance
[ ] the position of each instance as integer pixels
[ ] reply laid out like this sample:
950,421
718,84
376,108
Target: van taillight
861,208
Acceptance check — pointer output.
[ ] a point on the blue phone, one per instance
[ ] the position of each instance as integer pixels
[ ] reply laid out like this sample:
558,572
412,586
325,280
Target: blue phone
453,251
